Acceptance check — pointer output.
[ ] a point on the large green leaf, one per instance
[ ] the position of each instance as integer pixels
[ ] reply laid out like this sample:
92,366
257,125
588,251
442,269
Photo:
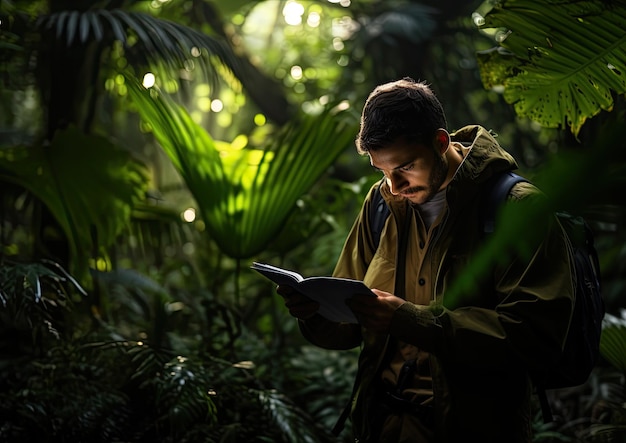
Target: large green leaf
558,61
245,195
613,341
87,183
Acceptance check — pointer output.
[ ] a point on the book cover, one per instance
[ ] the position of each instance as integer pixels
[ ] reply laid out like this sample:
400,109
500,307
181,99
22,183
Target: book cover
330,292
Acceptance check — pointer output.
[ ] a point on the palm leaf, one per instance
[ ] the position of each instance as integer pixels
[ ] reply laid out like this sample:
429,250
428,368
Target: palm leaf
87,190
560,60
157,39
245,195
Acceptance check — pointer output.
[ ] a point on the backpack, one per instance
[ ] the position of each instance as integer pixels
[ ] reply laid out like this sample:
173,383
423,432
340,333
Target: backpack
582,344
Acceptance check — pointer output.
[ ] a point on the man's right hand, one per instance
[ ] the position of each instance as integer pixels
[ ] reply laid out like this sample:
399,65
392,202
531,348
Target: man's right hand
300,306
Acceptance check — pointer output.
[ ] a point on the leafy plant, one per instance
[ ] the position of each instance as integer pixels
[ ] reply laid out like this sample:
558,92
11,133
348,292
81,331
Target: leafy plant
100,385
558,62
613,341
32,297
245,195
91,217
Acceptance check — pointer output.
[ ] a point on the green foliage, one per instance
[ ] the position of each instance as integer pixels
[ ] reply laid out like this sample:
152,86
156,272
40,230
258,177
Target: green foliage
245,195
91,216
99,386
558,62
613,342
316,49
163,351
323,381
161,40
593,412
33,297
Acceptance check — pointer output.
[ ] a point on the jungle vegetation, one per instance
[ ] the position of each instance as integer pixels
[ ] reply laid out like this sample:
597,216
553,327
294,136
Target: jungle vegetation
151,150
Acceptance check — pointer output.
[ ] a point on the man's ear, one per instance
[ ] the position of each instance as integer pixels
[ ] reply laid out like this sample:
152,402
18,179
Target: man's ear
442,141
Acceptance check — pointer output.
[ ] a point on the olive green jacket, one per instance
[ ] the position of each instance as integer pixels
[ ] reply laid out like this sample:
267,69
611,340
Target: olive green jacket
484,332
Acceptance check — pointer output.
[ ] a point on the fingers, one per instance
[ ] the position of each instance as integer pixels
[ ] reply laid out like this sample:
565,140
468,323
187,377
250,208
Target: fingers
375,313
299,306
284,290
380,293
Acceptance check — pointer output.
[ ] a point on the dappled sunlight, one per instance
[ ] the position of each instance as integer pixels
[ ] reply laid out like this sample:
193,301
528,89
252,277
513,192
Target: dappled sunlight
314,19
217,105
149,80
155,148
296,72
294,35
344,3
189,215
244,167
292,12
260,120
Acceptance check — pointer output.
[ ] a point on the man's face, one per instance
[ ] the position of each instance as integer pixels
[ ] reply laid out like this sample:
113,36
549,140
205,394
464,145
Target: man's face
413,171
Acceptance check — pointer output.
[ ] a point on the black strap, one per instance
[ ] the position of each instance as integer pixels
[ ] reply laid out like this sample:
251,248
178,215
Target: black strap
500,186
341,421
546,409
379,211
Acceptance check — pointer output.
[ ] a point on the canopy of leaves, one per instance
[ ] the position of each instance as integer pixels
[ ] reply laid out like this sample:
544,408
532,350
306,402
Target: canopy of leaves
558,62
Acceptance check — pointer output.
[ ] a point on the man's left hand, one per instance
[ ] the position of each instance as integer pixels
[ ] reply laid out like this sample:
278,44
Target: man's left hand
375,313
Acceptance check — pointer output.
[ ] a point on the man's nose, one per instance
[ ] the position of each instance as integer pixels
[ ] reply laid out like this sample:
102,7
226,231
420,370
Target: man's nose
396,182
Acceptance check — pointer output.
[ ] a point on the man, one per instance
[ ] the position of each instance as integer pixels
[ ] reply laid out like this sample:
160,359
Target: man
435,366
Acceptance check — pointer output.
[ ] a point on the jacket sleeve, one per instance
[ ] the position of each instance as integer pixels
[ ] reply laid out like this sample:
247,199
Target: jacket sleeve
353,262
528,323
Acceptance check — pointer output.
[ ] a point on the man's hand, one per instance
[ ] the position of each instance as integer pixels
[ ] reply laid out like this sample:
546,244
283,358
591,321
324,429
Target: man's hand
375,313
300,306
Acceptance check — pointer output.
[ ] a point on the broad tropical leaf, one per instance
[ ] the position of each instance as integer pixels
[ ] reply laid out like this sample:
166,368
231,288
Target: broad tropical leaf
613,341
558,61
245,195
89,191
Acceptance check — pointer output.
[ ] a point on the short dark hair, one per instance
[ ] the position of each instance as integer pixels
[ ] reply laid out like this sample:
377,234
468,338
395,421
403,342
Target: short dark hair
402,109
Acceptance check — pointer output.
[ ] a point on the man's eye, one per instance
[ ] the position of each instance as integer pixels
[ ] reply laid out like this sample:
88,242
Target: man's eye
407,168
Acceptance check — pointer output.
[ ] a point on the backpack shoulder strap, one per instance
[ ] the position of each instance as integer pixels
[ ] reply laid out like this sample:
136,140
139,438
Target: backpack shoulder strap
498,189
379,211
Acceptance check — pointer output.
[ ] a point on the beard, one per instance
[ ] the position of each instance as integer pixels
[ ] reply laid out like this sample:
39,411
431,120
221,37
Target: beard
437,178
